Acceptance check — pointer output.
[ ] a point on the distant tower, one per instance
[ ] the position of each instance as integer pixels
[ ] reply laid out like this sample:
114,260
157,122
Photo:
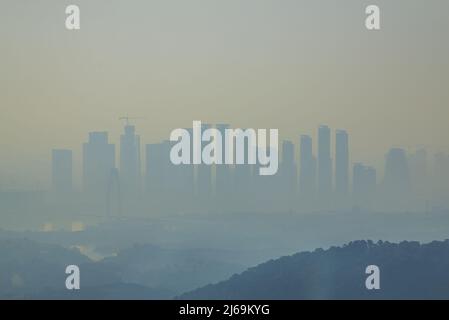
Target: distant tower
397,176
288,175
155,168
98,161
324,163
204,173
243,178
288,167
307,167
62,170
419,175
130,173
341,163
363,185
223,177
396,185
440,180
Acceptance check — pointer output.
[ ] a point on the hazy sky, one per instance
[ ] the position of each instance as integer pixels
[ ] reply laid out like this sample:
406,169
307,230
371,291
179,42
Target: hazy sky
287,64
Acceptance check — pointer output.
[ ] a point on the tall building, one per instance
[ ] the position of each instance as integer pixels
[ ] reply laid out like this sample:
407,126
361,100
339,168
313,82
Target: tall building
204,173
396,186
288,176
324,163
440,180
223,174
98,162
288,168
397,175
418,172
341,163
185,173
243,172
307,167
363,185
155,168
62,170
130,171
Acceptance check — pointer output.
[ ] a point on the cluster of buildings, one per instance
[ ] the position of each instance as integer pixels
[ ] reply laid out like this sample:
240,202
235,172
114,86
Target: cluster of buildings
305,181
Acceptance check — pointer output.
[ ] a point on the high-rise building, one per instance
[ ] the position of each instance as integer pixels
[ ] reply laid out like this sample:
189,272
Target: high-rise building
418,172
397,175
440,190
307,167
288,168
130,171
288,177
156,161
243,172
62,169
363,184
98,162
324,163
396,186
204,173
341,163
223,177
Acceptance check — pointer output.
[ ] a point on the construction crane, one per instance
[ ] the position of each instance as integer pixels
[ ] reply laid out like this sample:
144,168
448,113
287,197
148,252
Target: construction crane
129,118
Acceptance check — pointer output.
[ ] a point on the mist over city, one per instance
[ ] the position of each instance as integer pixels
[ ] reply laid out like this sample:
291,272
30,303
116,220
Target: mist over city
358,174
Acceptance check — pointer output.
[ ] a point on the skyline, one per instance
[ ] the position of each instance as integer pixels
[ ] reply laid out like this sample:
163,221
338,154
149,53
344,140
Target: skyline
290,66
210,149
319,181
378,162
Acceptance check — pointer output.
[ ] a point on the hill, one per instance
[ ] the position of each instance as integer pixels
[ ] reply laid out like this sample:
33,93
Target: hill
408,270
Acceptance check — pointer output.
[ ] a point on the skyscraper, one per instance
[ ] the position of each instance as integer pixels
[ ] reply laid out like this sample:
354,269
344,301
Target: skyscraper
62,170
98,162
324,163
396,185
288,176
363,185
204,173
155,168
397,175
288,168
419,172
223,178
243,175
307,168
130,172
440,190
341,163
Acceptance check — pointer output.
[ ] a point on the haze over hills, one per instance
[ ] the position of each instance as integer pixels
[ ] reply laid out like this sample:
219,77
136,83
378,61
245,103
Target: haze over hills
34,270
408,270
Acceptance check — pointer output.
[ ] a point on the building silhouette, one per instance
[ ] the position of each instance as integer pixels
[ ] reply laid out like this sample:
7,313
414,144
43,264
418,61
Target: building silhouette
397,176
307,169
419,178
155,168
223,173
130,165
440,190
363,185
243,176
288,175
204,173
98,163
341,163
324,165
396,186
